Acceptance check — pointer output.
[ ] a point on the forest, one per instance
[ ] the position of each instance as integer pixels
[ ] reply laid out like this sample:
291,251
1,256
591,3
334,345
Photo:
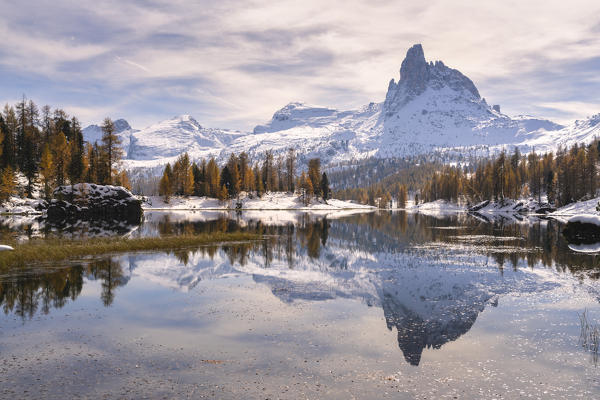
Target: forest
48,145
240,174
559,178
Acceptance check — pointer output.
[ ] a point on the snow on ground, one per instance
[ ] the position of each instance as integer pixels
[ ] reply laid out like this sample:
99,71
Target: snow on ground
580,207
585,219
269,201
437,208
17,205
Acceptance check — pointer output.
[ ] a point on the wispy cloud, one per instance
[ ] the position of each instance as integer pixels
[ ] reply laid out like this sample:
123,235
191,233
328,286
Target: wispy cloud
233,63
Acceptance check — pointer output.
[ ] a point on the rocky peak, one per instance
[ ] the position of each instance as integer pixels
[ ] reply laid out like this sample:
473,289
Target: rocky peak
414,71
121,125
417,75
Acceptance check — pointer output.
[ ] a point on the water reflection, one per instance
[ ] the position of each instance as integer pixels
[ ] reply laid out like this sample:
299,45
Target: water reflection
431,277
27,293
24,227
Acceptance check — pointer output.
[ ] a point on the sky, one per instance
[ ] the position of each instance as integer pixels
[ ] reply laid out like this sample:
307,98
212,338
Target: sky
232,64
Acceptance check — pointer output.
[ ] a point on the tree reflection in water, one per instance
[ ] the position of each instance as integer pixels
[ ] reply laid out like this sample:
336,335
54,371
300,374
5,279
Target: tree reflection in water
52,287
342,250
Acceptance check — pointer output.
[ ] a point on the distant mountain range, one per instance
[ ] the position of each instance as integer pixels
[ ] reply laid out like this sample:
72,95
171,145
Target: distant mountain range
432,107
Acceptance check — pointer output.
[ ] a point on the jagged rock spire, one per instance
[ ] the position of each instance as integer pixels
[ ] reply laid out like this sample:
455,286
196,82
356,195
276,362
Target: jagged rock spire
414,71
416,75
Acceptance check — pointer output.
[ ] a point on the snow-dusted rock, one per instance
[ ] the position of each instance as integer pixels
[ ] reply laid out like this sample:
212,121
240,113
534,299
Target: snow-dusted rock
85,201
583,229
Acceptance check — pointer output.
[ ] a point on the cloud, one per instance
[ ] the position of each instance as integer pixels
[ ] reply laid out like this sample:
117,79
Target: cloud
233,63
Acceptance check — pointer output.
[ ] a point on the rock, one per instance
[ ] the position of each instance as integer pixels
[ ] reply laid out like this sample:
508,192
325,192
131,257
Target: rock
583,229
85,201
479,206
416,76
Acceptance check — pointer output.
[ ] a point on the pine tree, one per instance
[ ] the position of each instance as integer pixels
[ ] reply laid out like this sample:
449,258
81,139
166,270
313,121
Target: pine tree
76,152
314,174
325,191
290,169
213,178
8,145
188,183
122,179
260,189
165,189
60,155
245,169
111,144
7,184
47,171
402,196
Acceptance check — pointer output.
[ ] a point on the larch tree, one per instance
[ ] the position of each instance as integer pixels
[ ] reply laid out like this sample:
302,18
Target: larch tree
111,144
47,171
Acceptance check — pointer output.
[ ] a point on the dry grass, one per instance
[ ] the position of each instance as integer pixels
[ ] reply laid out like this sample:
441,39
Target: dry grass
589,336
47,250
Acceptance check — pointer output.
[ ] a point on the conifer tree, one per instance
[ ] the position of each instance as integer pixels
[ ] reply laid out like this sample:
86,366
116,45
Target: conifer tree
47,171
325,191
314,174
8,145
165,188
60,155
213,177
76,152
402,196
7,184
290,169
260,189
111,144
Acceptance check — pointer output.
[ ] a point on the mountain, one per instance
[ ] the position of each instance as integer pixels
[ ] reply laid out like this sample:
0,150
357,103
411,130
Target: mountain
172,137
93,133
431,107
579,132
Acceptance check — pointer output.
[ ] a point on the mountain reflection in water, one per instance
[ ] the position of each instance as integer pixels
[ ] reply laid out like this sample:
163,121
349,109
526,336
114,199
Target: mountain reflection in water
432,277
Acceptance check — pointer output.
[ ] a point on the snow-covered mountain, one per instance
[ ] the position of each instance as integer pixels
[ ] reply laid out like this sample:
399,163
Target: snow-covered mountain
175,136
580,132
93,133
430,107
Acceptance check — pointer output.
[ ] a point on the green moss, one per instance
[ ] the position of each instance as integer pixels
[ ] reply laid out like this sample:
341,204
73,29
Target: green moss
47,250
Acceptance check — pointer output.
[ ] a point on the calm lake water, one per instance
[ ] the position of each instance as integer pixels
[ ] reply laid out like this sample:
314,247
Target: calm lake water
376,305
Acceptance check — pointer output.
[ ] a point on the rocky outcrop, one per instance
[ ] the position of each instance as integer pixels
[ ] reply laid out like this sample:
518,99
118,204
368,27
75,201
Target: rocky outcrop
416,75
583,229
85,201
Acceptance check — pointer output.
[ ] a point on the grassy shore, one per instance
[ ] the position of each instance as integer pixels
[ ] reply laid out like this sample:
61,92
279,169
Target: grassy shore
47,250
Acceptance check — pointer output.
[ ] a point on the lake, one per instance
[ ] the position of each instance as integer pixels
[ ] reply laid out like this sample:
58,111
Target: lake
373,305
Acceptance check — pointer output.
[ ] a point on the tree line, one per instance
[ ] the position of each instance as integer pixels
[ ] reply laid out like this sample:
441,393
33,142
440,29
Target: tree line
561,178
47,145
240,174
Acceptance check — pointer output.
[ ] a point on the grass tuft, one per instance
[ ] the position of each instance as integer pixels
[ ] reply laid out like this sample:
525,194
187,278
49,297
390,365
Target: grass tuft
589,336
48,250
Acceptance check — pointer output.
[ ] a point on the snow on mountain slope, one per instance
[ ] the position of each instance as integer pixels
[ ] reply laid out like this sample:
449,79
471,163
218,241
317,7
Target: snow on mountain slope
93,133
579,132
170,138
431,107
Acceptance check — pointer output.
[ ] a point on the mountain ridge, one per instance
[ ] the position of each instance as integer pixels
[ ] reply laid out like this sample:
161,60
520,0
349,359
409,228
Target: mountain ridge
430,107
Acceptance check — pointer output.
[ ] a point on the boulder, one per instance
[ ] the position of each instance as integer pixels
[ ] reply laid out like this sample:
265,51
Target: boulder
85,201
583,229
